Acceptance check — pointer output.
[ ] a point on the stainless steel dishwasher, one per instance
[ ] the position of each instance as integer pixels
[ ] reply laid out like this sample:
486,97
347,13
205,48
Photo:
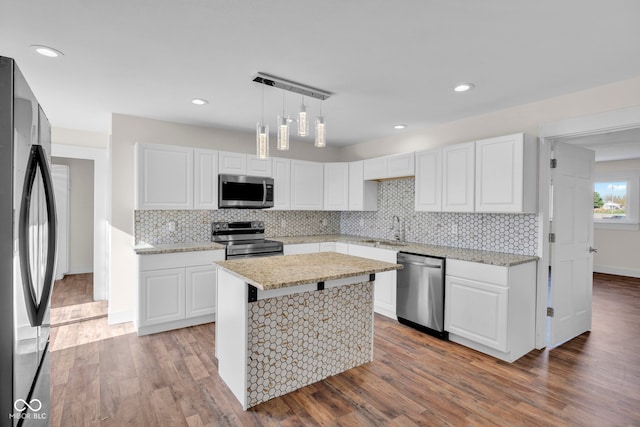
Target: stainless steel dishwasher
420,296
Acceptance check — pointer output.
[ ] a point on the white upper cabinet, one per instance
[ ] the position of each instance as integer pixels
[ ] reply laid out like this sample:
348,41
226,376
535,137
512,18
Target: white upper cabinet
205,179
259,167
506,174
458,176
281,183
400,165
428,191
164,177
395,166
307,185
363,195
233,163
336,186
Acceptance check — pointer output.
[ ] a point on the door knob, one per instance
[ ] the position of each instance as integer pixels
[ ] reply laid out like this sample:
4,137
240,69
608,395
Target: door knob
592,250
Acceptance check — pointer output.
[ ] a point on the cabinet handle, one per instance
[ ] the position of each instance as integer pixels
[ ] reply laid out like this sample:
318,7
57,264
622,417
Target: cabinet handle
420,264
592,250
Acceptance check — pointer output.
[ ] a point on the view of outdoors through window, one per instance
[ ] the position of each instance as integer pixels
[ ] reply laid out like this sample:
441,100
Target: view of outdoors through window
610,200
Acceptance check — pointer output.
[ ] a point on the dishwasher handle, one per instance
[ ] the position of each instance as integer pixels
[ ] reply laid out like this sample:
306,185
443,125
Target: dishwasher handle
421,264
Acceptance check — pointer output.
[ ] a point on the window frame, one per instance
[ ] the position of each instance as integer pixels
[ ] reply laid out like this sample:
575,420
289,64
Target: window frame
632,179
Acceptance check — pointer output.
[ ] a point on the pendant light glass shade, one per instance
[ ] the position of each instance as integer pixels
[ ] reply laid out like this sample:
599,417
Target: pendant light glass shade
262,140
262,135
321,136
283,132
303,123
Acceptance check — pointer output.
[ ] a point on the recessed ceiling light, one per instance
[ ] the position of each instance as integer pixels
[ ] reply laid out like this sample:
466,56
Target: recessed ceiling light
399,126
463,87
47,51
199,101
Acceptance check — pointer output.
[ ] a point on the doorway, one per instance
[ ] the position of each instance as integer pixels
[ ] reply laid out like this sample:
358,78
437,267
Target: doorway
101,215
601,124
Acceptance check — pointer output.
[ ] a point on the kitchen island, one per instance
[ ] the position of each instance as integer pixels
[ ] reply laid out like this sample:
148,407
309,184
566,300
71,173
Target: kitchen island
285,322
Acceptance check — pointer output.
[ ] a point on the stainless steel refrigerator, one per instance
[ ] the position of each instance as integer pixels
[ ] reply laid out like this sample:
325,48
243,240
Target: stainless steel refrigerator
27,252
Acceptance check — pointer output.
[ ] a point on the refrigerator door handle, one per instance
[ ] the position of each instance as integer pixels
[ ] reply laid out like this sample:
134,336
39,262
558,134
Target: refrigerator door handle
37,309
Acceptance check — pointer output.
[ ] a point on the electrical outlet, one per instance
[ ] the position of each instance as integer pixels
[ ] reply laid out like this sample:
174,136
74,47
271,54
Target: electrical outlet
283,223
454,229
171,226
361,222
324,222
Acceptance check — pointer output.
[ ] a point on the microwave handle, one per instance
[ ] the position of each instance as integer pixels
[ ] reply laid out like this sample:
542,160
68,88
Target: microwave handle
264,192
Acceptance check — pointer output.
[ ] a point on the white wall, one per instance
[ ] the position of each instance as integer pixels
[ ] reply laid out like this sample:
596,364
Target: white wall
80,214
618,250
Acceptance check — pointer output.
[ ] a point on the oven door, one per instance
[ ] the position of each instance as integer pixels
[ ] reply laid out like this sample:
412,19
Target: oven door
241,191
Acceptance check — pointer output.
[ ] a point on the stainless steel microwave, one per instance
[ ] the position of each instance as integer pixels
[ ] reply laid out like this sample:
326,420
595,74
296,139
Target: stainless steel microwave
245,192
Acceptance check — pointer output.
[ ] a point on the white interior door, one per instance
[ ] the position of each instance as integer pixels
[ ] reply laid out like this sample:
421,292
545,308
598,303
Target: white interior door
572,225
60,176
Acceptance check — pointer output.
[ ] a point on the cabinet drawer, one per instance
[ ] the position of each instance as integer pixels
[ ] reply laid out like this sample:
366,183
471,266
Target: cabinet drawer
493,274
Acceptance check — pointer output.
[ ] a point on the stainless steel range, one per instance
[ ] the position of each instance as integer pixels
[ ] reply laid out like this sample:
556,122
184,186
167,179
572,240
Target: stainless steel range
244,239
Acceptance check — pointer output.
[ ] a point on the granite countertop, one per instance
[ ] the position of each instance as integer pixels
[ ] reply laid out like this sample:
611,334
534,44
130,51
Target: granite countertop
472,255
169,248
283,271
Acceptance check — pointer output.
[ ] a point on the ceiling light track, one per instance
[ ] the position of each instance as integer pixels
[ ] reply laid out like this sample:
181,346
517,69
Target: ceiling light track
284,84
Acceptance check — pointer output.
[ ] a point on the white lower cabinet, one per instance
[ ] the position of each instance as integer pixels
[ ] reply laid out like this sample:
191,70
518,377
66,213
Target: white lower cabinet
384,301
491,308
176,290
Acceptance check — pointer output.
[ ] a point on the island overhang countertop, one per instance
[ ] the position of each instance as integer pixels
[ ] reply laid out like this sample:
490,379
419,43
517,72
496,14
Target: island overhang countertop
275,272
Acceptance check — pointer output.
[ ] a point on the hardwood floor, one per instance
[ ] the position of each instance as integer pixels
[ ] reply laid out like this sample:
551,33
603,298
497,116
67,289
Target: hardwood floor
72,300
108,376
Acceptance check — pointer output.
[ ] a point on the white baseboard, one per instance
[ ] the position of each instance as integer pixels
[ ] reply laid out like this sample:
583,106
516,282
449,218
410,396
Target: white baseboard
630,272
122,317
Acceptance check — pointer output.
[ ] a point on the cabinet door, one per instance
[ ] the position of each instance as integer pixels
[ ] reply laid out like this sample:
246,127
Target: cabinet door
499,174
233,163
259,167
477,311
384,301
336,186
162,296
201,290
400,165
375,168
205,180
281,184
428,192
301,248
164,177
363,195
458,172
307,185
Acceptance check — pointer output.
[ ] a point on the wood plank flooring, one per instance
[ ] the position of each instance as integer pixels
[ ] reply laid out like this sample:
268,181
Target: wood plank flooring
72,300
108,376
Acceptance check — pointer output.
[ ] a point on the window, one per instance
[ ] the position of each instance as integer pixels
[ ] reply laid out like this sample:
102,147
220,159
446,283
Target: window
616,200
610,201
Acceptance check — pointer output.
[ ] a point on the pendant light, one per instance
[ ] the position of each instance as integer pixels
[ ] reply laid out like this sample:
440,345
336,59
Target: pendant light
262,134
321,137
283,129
303,123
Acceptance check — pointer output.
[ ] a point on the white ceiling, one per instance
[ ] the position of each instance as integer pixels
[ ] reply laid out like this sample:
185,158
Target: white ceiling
387,62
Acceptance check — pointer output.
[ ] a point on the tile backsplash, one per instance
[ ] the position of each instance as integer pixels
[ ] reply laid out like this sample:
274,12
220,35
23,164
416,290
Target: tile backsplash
512,233
183,226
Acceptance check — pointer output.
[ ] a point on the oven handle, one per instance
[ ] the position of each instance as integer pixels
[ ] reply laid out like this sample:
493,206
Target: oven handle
264,192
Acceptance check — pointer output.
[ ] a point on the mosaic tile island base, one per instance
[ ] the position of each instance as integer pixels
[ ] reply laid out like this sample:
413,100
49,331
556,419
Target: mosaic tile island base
292,335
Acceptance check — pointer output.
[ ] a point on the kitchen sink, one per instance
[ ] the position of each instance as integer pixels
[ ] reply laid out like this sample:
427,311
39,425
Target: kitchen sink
383,242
